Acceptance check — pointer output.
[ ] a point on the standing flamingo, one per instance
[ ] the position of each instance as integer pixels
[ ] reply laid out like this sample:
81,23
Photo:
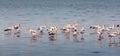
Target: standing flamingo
82,31
17,28
52,31
33,32
99,34
76,24
41,28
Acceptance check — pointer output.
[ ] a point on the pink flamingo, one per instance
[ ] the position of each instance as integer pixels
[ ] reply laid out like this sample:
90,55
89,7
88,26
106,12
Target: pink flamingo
76,24
17,28
99,34
33,32
41,28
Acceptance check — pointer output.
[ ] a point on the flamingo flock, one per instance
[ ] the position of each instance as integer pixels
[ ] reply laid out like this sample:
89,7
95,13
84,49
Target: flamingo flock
69,30
15,29
113,32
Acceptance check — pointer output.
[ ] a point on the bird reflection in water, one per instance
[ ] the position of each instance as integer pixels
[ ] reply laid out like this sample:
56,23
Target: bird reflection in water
33,40
112,42
52,37
100,43
67,36
8,34
41,33
13,34
17,34
75,38
119,41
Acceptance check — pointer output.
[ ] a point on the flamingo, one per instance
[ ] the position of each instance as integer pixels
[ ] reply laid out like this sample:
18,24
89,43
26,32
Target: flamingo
69,26
63,29
52,30
75,33
93,27
67,31
118,32
41,28
8,29
99,34
73,29
52,33
76,24
113,27
55,29
82,30
96,27
33,32
17,28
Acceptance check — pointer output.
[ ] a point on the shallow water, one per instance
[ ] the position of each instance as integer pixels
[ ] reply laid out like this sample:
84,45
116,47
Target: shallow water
34,13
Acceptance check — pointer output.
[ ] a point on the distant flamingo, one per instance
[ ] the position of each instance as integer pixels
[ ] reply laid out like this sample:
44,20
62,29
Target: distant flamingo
82,31
75,33
76,24
17,28
118,32
113,27
33,32
73,29
63,29
52,30
94,28
99,34
69,25
67,31
41,28
8,29
55,29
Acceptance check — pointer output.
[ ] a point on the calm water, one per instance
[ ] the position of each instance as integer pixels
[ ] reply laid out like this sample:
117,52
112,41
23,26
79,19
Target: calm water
34,13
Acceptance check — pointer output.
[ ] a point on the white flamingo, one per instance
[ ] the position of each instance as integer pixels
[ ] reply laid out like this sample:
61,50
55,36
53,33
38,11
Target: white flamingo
9,29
